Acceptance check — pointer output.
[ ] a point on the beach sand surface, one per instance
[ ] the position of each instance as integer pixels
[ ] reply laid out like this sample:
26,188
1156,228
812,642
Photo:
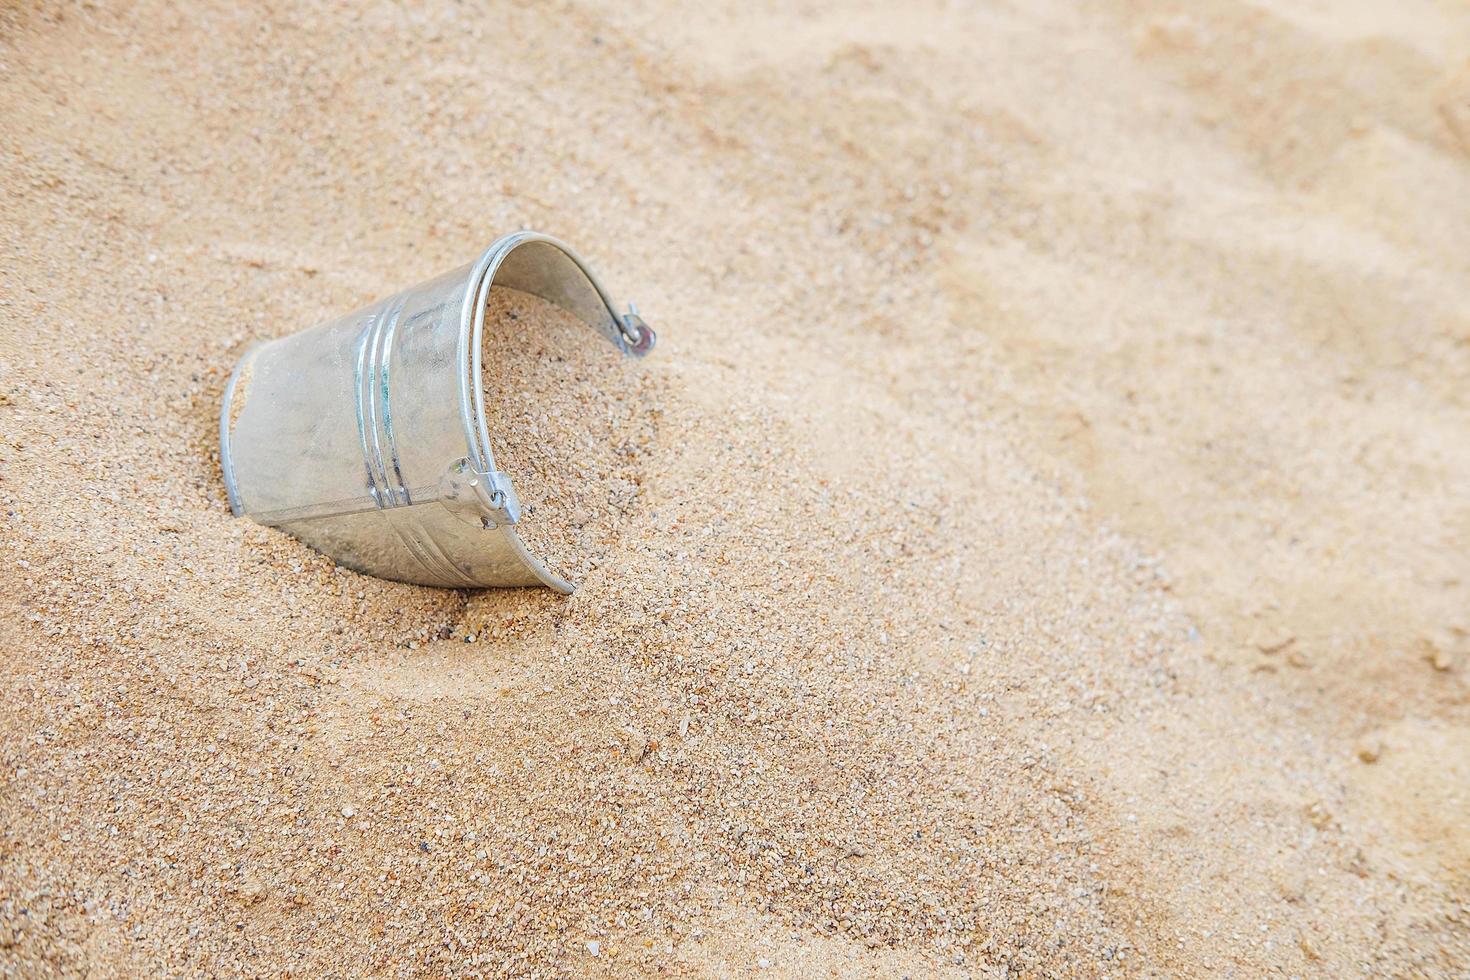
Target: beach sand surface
1053,558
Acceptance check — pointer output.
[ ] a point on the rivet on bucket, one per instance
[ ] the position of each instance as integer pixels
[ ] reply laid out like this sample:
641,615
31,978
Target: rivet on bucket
366,436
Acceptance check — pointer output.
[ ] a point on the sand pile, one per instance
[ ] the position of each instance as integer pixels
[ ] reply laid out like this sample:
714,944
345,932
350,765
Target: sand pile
1048,558
572,420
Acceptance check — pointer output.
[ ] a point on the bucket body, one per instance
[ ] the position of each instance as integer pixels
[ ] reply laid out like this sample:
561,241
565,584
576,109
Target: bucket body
367,438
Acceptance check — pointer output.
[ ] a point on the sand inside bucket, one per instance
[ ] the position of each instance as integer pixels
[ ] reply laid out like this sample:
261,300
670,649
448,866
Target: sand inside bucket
571,421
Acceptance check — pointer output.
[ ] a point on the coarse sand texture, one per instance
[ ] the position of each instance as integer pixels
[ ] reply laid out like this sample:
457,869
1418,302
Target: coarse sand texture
1038,545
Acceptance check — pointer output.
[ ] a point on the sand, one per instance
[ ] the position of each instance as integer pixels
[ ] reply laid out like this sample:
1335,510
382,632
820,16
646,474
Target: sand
572,421
1051,558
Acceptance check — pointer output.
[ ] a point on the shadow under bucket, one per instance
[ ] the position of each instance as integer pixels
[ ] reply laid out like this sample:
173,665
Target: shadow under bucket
366,436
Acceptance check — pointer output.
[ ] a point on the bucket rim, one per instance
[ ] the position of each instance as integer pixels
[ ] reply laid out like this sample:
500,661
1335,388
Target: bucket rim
226,461
472,391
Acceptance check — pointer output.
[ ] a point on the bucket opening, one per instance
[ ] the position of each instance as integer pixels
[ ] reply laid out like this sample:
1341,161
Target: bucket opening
564,414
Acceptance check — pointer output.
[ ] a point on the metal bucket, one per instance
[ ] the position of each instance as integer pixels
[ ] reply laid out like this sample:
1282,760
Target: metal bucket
366,436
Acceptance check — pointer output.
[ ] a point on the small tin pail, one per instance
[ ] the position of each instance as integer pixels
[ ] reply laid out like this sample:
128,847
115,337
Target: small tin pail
366,436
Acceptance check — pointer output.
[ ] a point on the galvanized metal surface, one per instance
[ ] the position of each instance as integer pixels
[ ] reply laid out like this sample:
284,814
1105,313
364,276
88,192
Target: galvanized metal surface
367,436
